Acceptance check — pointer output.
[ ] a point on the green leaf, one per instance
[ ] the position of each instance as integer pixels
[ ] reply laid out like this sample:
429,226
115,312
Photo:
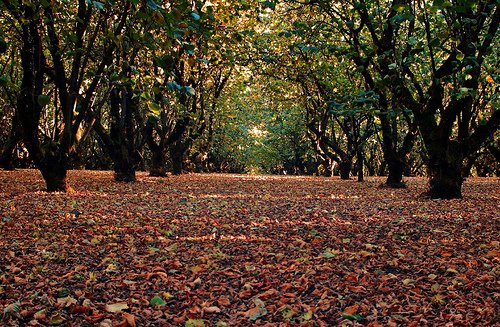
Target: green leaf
464,90
157,300
195,16
55,320
194,323
98,5
154,108
393,66
189,48
173,86
307,316
269,4
63,292
179,33
3,81
189,90
435,42
328,254
460,56
43,99
153,5
12,310
356,316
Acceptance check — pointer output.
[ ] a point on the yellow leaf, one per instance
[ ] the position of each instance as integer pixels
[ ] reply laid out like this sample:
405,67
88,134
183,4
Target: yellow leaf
438,298
408,281
195,269
116,307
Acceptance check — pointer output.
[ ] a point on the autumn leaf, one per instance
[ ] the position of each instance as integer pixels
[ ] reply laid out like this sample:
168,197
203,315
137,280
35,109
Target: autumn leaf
223,301
262,268
351,309
256,312
116,307
129,318
56,320
212,309
493,254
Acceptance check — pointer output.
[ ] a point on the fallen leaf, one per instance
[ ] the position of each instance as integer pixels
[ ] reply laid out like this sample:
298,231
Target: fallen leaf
223,301
66,302
256,312
116,307
56,319
351,309
493,254
212,309
194,323
157,300
129,318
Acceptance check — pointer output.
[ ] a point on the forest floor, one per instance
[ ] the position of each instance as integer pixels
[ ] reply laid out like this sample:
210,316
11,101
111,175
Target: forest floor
234,250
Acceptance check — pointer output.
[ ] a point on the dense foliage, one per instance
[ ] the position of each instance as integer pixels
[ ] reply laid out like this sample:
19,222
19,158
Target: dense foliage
351,88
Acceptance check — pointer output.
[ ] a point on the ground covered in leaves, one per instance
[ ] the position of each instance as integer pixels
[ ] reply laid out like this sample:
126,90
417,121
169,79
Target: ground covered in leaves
233,250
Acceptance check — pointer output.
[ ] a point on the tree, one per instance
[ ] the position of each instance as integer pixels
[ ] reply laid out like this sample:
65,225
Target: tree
9,121
429,58
62,64
121,128
189,72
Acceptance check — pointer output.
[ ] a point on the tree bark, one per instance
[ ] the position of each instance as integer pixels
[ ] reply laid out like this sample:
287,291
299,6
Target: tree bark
396,169
345,168
359,154
7,156
157,168
54,170
177,156
445,168
124,171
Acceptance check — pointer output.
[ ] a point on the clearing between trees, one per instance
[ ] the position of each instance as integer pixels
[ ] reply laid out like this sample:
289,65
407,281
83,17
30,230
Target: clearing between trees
239,250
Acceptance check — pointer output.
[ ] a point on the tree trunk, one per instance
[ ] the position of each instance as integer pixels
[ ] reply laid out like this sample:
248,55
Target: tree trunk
360,165
396,169
177,157
124,170
445,168
157,168
177,151
54,171
345,167
7,156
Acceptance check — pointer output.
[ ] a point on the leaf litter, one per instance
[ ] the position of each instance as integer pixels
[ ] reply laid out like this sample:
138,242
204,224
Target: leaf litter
234,250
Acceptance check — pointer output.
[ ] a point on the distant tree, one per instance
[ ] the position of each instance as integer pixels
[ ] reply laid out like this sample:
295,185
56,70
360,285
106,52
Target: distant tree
189,72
